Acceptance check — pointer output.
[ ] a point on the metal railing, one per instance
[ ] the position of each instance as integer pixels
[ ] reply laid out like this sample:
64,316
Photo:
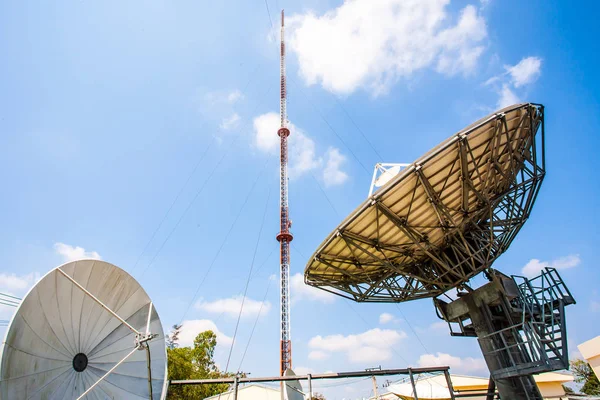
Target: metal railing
410,372
537,343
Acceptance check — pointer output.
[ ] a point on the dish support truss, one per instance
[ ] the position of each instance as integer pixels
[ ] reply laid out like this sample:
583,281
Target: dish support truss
506,181
140,341
520,325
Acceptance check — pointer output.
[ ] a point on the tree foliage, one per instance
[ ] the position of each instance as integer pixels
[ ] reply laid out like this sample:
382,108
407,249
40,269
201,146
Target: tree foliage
193,363
584,374
317,396
173,337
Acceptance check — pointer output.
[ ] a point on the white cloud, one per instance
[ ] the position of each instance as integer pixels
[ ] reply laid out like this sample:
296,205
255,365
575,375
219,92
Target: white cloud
369,354
265,132
72,253
569,261
574,353
318,355
525,72
303,370
438,326
435,328
221,97
219,107
332,174
13,283
234,96
371,44
303,156
374,345
535,266
515,76
231,306
191,328
461,44
230,122
385,318
301,291
507,97
457,364
492,80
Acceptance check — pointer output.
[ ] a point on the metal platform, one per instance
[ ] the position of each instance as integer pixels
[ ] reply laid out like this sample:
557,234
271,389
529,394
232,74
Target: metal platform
520,326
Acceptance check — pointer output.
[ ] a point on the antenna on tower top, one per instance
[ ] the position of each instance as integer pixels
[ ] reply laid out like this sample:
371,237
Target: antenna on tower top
283,99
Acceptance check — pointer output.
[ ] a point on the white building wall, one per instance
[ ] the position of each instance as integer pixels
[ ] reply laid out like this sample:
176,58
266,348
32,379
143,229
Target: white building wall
590,350
250,392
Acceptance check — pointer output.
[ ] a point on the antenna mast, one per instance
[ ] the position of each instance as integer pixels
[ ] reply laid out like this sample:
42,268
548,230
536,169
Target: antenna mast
284,237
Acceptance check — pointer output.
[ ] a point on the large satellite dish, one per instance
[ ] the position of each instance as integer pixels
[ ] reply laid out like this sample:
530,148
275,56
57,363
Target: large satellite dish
441,220
86,330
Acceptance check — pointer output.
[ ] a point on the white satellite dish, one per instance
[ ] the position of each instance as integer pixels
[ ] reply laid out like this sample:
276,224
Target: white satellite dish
387,176
292,389
86,330
383,173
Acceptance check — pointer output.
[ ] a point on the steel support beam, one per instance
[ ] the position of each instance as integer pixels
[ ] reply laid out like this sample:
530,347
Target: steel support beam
332,375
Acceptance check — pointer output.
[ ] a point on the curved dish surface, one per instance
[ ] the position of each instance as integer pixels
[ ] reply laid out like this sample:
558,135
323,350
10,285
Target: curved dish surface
61,341
443,219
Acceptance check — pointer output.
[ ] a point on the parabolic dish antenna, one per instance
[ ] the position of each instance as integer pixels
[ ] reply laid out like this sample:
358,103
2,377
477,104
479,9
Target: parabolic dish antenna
387,176
383,173
441,220
86,330
292,389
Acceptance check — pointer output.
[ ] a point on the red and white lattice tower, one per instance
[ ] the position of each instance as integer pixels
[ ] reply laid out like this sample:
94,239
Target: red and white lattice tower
284,236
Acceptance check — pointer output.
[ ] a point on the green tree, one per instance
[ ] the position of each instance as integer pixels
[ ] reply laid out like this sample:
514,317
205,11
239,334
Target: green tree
584,374
317,396
173,337
193,363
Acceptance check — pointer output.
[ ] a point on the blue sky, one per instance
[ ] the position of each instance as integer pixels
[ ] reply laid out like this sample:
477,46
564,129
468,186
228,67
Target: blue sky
106,108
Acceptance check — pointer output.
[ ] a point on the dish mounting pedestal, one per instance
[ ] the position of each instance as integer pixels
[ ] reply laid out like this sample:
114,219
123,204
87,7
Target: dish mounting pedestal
520,325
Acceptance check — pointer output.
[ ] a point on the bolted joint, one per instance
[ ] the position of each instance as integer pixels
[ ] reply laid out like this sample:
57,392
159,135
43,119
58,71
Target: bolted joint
142,339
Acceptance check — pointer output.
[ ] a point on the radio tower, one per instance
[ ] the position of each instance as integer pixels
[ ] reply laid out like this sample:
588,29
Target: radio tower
284,237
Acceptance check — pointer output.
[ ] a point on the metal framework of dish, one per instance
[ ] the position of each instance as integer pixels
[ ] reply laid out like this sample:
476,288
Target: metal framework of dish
441,220
86,329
